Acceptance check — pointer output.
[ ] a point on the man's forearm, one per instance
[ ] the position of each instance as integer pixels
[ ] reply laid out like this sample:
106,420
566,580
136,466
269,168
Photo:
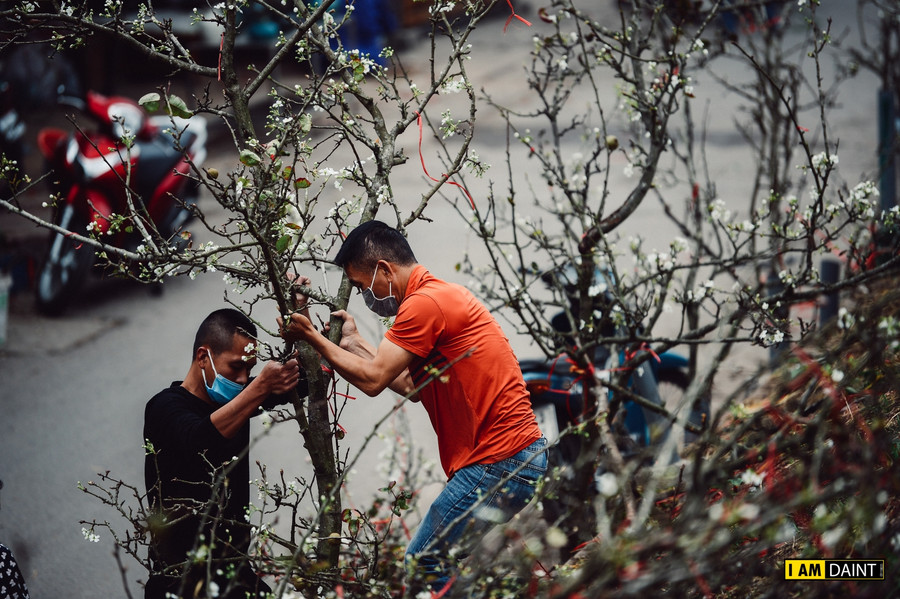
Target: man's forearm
355,366
357,344
229,418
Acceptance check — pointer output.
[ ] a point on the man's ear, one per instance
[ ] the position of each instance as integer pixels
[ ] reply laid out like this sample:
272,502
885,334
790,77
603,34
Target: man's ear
201,354
388,269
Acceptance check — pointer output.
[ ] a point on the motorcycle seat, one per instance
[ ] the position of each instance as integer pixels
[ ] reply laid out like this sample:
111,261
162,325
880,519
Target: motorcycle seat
159,157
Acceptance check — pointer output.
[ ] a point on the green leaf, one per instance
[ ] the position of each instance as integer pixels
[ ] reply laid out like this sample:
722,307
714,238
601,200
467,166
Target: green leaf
305,123
250,158
150,102
301,183
178,107
283,243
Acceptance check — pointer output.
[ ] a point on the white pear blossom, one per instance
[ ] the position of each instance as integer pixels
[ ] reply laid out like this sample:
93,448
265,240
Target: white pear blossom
90,535
718,211
823,160
751,478
771,337
607,484
845,319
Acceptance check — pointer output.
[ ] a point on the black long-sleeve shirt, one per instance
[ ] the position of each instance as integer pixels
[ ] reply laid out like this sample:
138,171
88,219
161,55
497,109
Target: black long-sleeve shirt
181,470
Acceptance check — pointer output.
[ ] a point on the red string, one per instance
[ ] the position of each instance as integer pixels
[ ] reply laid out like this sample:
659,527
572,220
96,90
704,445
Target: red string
333,395
71,235
444,589
512,16
644,347
422,159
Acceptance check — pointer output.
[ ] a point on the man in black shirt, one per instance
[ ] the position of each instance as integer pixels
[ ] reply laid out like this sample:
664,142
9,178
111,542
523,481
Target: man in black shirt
196,469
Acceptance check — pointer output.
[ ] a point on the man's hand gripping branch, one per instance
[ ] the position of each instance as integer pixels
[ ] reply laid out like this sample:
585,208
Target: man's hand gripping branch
369,369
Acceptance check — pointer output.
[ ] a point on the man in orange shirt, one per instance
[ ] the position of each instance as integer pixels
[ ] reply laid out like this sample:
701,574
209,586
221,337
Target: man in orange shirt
447,347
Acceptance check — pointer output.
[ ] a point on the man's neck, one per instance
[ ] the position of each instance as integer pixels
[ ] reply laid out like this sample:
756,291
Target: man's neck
193,382
402,276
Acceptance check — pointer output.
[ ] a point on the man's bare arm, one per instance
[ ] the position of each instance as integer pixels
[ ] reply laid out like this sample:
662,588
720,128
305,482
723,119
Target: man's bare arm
370,375
355,343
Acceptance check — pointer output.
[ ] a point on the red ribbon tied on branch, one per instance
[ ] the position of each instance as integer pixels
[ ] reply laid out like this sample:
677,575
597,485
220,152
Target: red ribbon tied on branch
425,170
512,16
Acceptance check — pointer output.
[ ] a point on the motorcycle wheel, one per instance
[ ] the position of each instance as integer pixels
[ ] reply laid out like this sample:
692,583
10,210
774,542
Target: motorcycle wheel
67,265
672,385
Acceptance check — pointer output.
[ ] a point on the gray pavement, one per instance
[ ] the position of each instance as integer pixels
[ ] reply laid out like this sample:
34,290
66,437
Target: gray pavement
72,389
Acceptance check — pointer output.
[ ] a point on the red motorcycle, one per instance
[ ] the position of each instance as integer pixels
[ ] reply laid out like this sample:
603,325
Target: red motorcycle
104,182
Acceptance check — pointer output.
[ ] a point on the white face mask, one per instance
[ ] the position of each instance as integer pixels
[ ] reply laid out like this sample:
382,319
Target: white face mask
382,306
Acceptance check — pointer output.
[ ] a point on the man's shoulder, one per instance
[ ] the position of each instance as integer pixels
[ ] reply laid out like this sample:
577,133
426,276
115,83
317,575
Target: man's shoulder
428,285
174,390
174,394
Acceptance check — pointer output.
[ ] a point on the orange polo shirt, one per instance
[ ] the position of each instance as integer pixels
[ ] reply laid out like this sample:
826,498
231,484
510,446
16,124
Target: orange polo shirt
479,407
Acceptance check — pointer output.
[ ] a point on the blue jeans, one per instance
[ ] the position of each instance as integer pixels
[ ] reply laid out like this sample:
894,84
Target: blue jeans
475,499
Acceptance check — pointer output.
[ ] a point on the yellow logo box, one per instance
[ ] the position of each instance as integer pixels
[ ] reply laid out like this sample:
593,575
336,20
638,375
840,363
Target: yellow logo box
834,569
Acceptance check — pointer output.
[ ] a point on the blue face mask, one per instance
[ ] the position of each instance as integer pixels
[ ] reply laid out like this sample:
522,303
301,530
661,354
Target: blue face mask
382,306
222,390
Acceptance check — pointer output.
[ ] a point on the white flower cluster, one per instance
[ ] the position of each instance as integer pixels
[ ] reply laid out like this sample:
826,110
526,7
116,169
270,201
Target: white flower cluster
449,126
751,478
526,138
597,288
440,6
823,161
383,194
454,85
787,278
890,328
863,198
846,319
678,245
475,165
338,175
698,294
700,47
663,262
90,535
719,212
344,208
111,7
744,227
771,337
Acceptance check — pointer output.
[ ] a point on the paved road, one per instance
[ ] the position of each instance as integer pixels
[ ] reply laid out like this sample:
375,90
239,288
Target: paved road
73,395
73,388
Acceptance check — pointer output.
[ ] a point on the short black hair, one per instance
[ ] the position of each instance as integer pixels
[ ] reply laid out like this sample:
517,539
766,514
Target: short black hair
219,328
373,241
